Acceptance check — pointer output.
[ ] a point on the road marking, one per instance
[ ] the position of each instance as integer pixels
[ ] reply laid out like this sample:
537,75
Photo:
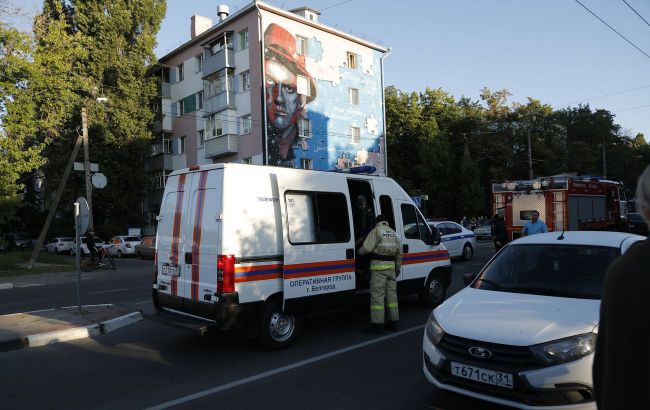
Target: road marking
279,370
27,285
107,291
142,303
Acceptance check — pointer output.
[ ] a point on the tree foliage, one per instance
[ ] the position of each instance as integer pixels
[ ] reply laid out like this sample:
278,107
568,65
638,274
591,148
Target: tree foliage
453,150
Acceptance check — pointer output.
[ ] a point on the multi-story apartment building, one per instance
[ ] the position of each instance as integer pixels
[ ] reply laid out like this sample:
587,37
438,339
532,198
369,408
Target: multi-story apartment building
271,87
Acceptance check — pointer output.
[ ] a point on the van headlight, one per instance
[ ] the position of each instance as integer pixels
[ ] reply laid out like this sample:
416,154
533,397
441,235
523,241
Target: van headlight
565,350
433,330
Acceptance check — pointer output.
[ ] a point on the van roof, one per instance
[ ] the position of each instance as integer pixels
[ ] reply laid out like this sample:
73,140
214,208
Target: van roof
268,168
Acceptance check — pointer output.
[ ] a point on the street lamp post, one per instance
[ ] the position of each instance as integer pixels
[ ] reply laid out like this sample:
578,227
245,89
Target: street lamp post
89,187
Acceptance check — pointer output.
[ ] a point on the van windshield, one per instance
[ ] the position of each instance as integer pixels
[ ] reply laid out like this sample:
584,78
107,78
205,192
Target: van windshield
574,271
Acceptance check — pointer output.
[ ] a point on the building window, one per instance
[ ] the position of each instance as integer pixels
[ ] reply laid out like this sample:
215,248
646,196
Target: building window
159,179
352,60
213,126
245,81
181,107
356,135
199,100
180,70
219,82
353,96
199,62
246,124
181,146
220,44
248,160
306,164
301,45
243,39
304,128
200,140
304,87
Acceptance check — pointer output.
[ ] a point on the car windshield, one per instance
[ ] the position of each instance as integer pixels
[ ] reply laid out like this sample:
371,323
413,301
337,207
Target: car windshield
573,271
132,239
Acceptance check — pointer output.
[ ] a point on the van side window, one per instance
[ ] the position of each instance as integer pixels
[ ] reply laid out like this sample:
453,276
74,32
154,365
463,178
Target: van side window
386,207
410,221
317,217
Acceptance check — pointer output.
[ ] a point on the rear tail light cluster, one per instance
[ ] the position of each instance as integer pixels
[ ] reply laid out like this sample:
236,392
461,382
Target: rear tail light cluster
225,273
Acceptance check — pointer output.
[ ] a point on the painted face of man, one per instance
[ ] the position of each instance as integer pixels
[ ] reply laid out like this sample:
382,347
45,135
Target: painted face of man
282,98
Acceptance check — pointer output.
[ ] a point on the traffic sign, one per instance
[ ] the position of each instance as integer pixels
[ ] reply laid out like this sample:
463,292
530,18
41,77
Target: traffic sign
79,166
99,180
84,213
417,200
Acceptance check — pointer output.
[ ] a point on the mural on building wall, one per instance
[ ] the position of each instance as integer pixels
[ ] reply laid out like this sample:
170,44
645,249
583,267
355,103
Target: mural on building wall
323,99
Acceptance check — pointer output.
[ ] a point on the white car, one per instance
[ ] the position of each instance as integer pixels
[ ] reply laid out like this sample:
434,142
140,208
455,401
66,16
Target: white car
459,241
84,248
60,244
122,245
523,332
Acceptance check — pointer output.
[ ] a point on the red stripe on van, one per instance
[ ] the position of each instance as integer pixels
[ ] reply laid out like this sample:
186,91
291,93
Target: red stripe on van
176,230
196,239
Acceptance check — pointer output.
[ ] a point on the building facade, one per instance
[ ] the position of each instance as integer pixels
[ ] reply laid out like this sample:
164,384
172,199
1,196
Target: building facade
270,87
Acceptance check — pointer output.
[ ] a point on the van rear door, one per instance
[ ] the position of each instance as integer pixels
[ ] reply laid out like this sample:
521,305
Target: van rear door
317,235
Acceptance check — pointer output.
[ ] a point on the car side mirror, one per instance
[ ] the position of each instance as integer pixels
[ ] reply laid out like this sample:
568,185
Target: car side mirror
469,278
436,238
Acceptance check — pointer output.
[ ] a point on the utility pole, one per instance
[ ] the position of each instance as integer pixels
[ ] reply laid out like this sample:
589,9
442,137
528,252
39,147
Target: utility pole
89,187
530,155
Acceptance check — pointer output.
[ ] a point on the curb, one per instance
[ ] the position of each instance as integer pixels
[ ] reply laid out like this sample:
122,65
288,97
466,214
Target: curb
42,339
6,285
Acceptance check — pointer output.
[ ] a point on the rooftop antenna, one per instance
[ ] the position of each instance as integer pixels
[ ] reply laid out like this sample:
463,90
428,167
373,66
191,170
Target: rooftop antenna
561,237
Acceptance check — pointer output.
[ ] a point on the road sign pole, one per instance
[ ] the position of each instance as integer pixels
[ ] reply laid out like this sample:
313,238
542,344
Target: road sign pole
77,258
89,187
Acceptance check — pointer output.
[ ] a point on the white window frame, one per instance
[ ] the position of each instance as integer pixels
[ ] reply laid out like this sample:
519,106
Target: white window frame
304,128
302,45
303,86
200,138
353,96
246,124
306,163
181,145
355,134
181,108
180,70
199,98
352,60
199,62
243,39
245,81
213,123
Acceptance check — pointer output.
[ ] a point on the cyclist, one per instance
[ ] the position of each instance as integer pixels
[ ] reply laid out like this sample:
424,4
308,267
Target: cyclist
90,243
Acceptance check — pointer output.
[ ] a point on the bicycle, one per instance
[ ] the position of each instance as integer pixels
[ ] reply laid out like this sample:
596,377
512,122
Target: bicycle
89,264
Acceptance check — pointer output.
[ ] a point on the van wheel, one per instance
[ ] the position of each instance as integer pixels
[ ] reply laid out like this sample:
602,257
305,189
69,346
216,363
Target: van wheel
468,252
434,291
278,329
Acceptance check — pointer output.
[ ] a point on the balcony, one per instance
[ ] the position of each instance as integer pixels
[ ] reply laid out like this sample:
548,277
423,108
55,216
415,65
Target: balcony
221,146
165,90
223,59
219,102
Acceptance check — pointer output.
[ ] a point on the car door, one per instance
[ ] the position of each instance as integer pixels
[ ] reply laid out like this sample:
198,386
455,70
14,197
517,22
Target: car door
452,238
317,236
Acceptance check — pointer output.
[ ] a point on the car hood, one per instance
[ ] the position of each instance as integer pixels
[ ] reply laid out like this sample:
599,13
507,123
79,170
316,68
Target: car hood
515,318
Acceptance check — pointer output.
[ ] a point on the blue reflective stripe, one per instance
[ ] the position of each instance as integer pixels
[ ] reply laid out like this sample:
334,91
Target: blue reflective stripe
451,238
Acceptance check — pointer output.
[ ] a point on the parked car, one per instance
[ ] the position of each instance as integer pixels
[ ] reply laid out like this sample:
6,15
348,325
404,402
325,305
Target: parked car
15,240
123,245
483,232
147,248
523,332
84,248
459,241
636,224
60,244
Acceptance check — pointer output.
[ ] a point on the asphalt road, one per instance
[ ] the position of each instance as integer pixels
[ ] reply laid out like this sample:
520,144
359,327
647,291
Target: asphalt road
334,364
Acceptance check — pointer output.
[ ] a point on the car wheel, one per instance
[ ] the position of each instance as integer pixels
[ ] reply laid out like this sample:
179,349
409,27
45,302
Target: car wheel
434,291
119,253
468,252
277,329
56,251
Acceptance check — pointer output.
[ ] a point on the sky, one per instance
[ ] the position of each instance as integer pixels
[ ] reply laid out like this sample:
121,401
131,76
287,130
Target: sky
552,50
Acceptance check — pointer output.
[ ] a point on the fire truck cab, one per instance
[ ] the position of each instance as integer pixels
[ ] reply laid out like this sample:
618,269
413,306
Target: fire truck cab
565,202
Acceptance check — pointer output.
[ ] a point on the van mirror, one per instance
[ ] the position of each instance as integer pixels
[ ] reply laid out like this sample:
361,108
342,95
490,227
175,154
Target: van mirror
435,234
469,278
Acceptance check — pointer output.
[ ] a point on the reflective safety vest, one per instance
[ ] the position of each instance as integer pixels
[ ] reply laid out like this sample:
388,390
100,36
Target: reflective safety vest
384,246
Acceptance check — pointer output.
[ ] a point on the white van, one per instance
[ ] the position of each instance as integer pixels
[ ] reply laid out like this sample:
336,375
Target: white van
244,246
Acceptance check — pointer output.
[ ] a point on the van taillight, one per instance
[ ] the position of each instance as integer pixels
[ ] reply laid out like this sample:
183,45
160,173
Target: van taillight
225,273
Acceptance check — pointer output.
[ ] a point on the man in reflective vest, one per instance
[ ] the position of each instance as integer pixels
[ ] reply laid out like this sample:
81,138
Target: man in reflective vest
385,250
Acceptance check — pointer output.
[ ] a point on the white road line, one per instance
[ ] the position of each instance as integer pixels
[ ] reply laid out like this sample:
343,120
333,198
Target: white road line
107,291
279,370
142,303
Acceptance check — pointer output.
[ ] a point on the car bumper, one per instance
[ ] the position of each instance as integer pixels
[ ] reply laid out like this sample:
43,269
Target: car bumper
550,388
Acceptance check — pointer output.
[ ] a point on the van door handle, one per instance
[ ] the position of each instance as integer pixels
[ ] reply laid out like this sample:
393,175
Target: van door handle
405,249
349,254
188,258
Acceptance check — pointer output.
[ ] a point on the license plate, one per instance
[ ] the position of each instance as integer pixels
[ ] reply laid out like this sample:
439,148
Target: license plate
481,375
171,270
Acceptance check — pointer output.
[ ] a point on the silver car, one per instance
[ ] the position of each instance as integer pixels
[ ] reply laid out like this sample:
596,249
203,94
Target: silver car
459,241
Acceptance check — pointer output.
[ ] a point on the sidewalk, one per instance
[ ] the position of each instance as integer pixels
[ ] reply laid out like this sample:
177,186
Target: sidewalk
43,327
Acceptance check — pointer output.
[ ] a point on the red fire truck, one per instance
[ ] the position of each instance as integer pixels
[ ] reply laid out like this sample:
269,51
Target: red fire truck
565,202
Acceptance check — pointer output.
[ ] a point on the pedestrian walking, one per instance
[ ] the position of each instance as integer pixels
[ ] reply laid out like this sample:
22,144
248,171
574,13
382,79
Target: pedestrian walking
385,250
499,232
534,226
620,369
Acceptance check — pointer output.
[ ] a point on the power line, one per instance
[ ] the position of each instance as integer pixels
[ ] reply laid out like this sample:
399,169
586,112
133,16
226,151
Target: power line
334,5
613,29
637,13
605,95
633,108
